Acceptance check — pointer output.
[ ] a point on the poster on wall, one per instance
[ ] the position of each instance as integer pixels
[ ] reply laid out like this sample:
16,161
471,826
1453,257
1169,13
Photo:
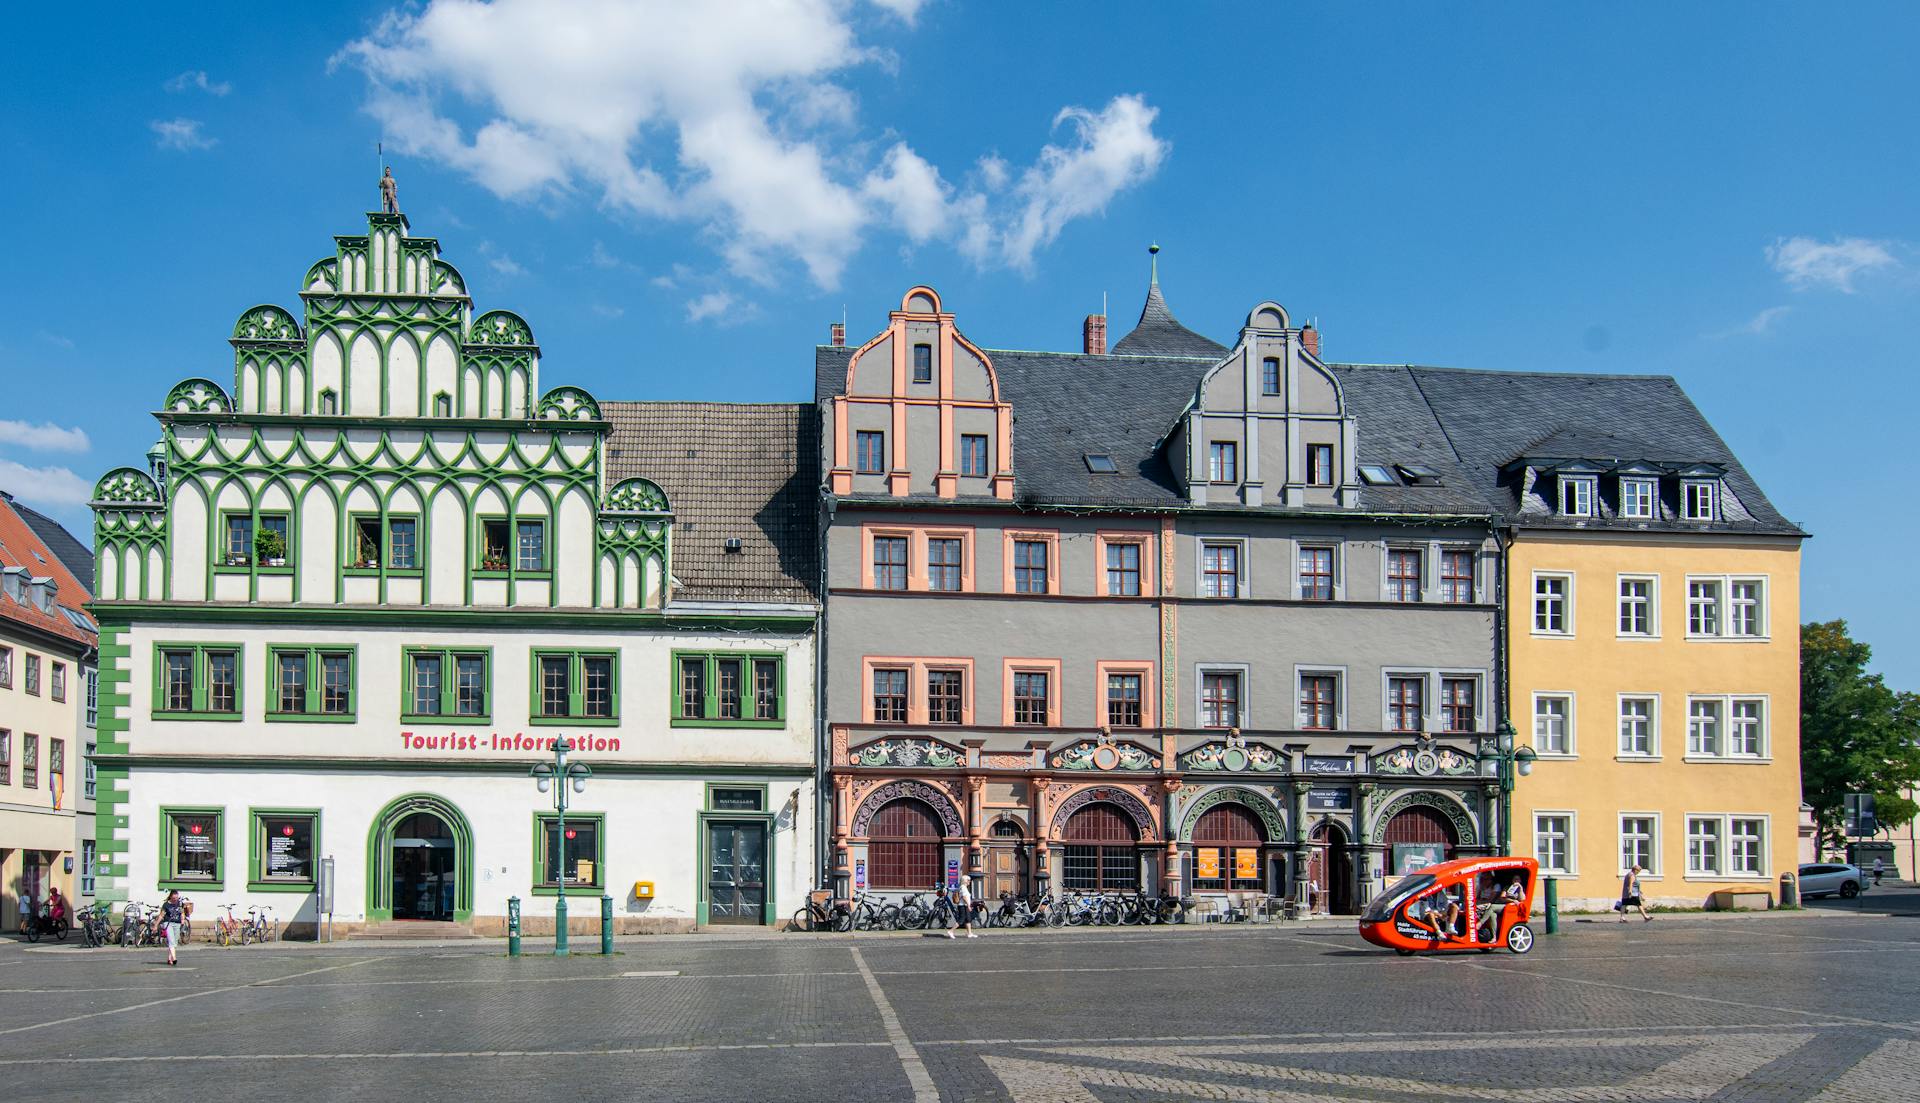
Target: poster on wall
1413,857
860,873
1246,863
1329,800
1208,859
953,874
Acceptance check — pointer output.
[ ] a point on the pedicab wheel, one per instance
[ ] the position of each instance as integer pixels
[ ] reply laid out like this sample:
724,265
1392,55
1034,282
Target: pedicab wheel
1520,938
1403,952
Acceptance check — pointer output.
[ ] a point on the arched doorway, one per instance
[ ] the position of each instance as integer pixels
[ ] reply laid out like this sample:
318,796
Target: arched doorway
1227,840
420,861
424,881
1100,851
904,846
1006,860
1416,838
1330,869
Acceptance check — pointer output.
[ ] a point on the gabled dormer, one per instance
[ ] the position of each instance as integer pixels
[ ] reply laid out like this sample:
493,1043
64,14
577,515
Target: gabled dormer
1268,424
921,413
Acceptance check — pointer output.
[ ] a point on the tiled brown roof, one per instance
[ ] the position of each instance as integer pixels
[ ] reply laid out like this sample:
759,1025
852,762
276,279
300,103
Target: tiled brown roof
745,471
21,546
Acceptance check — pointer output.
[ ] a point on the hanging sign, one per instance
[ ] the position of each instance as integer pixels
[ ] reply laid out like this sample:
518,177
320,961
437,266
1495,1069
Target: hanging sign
1208,859
1246,862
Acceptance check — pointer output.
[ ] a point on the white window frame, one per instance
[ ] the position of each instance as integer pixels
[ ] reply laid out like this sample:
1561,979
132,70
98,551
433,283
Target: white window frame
1589,486
89,858
1340,688
1653,606
1652,487
1711,489
1566,602
1652,871
1243,582
1723,824
1427,688
1572,867
1572,737
1339,561
1695,752
1760,606
1726,754
1200,672
1719,606
1653,728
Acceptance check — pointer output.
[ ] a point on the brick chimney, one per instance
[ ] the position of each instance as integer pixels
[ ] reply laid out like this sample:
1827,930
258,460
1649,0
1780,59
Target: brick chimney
837,335
1310,340
1093,335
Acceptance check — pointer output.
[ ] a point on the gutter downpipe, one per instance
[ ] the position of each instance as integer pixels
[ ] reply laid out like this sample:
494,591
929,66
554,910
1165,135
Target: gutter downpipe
1500,674
822,747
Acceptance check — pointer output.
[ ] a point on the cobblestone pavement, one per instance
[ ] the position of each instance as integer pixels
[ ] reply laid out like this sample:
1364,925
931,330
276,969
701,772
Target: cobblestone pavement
1810,1007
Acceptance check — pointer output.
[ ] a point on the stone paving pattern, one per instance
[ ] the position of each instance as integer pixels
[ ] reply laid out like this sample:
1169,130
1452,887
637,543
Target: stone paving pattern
1811,1007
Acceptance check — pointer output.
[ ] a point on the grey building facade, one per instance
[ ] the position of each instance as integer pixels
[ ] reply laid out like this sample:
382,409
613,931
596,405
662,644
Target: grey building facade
1176,617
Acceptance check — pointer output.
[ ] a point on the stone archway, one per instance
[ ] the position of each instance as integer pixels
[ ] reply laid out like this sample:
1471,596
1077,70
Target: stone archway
1450,808
1124,799
380,850
934,797
1270,817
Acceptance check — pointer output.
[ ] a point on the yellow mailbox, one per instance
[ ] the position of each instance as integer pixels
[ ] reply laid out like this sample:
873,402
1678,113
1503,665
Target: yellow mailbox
643,890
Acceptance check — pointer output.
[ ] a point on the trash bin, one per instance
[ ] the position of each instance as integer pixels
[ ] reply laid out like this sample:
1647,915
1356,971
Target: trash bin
1789,891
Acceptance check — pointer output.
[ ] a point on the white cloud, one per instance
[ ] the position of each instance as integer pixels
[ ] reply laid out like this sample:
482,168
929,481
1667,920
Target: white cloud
710,305
197,78
1760,325
599,257
735,118
59,340
180,134
1806,263
498,260
44,486
606,311
45,437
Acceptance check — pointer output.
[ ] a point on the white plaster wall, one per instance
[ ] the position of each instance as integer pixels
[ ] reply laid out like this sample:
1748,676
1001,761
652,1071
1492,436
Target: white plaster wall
652,834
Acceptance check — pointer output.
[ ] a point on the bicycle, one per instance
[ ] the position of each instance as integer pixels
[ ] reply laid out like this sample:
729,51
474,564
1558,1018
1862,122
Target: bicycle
823,913
227,930
260,926
913,915
95,930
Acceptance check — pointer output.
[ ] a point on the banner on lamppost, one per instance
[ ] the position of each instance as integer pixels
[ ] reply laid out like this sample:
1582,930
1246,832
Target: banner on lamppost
1861,821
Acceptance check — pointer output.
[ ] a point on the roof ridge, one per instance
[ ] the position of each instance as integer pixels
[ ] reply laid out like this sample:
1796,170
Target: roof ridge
1523,371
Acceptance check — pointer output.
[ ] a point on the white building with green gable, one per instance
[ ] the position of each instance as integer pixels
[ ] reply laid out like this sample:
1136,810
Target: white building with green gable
356,594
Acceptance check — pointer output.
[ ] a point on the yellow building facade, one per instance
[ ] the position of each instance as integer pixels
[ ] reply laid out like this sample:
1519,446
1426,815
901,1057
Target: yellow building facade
1657,677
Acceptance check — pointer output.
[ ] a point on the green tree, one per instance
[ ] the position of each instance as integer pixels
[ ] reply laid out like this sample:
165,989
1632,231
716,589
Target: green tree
1857,735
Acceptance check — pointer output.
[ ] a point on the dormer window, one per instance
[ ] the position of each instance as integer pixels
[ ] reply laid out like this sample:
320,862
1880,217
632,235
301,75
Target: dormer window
923,363
1223,462
1319,465
1270,375
1576,496
1636,498
1700,500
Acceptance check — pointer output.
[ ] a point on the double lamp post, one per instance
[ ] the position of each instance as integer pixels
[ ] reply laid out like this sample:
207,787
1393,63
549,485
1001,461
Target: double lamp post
560,776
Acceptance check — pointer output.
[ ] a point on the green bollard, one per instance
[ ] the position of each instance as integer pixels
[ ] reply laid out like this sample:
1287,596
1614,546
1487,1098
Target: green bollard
606,925
1553,905
513,926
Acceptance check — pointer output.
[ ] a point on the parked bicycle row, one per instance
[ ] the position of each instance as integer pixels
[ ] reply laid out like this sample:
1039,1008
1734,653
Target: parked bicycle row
868,912
143,925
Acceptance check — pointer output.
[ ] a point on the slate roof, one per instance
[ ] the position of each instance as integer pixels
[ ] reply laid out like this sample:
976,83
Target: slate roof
75,556
1491,418
749,471
1066,405
1159,333
21,546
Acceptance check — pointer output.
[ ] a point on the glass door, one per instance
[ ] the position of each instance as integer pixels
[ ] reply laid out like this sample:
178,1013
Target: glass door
736,872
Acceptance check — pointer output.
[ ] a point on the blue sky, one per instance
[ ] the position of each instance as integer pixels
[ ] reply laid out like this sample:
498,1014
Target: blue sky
680,200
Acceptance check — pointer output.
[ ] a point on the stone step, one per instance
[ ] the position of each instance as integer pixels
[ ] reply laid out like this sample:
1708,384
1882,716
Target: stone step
414,929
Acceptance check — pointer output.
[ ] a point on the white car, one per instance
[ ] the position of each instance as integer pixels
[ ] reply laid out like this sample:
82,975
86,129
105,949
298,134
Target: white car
1828,878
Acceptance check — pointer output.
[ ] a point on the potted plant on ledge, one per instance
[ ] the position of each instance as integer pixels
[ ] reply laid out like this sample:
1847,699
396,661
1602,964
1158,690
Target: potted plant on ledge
270,548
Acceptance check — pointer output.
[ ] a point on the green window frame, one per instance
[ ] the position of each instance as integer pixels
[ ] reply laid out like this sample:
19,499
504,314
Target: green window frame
317,691
257,524
197,661
175,819
498,551
725,689
572,689
543,882
263,825
369,547
450,659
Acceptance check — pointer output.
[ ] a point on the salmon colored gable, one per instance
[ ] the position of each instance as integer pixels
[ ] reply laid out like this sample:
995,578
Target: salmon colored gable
18,543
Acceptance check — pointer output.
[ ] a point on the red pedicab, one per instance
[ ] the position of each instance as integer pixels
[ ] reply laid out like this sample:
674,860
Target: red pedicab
1466,904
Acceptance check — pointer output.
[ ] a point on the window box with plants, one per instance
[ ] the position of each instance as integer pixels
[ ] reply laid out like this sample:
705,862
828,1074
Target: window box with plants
270,549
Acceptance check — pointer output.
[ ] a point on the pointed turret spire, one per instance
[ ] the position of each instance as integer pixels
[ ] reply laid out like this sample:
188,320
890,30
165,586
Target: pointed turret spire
1159,333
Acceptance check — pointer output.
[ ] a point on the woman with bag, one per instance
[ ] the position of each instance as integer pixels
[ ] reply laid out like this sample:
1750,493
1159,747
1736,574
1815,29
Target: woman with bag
1630,894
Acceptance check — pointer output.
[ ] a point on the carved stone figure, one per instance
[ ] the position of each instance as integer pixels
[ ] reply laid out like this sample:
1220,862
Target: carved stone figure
389,193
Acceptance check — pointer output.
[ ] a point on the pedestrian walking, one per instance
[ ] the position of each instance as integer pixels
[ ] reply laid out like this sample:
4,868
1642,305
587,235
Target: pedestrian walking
1879,868
1630,894
173,912
962,899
